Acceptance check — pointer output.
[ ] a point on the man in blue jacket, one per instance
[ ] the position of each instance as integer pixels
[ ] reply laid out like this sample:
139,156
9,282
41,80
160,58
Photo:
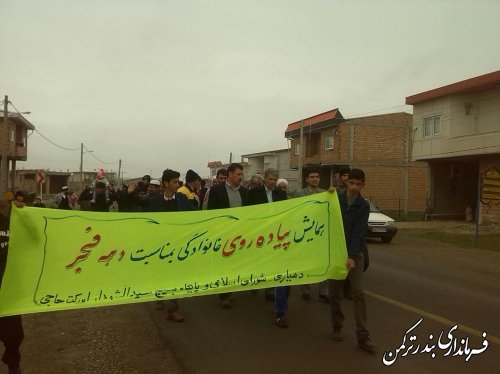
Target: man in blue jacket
355,212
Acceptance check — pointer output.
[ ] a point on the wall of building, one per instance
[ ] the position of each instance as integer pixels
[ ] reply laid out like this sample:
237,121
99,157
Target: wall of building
379,145
490,209
279,160
470,125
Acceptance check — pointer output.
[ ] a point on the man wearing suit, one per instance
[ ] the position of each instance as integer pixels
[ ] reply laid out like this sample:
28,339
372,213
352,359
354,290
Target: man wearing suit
230,194
268,193
312,180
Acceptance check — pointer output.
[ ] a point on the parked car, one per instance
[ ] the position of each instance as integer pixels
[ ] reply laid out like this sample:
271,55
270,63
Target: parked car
380,225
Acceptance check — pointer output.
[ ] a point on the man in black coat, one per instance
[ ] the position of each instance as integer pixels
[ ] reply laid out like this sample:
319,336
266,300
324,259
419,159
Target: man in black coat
268,193
101,204
230,194
170,201
11,327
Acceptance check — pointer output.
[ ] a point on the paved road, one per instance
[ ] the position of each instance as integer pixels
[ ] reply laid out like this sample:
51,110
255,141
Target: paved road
401,287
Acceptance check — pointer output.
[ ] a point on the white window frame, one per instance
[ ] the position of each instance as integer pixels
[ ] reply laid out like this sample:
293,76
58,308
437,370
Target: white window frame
434,126
12,135
329,143
296,150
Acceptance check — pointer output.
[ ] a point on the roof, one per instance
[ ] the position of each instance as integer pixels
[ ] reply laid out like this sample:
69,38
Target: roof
481,83
19,118
321,118
214,164
265,153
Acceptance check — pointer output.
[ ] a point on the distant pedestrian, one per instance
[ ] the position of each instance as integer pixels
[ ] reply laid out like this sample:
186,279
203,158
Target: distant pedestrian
342,179
255,181
84,198
202,192
282,184
312,181
38,203
61,200
101,204
190,188
220,177
230,194
100,177
355,212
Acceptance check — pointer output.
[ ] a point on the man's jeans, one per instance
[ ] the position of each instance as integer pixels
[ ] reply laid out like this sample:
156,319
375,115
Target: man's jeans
281,300
355,276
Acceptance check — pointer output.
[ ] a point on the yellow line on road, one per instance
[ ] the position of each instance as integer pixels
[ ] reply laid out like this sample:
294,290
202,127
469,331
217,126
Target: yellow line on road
434,317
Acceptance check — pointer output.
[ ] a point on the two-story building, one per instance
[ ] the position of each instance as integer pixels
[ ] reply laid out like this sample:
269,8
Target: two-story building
380,145
457,132
13,145
279,160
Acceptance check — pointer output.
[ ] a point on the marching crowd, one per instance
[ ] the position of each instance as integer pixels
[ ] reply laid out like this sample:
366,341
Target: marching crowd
226,191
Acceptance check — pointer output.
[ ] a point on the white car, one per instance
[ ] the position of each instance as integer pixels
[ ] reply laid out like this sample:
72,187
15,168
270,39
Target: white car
380,225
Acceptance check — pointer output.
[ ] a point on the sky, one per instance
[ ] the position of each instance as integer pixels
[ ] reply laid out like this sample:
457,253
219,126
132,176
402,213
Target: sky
174,84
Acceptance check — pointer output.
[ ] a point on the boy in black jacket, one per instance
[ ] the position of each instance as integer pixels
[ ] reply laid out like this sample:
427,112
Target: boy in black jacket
355,212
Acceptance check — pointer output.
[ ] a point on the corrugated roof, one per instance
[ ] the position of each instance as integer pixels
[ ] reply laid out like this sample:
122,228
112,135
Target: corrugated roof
481,83
19,118
318,118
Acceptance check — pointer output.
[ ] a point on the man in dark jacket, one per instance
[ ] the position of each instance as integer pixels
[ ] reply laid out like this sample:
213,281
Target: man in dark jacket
11,327
230,194
268,193
170,201
101,203
355,212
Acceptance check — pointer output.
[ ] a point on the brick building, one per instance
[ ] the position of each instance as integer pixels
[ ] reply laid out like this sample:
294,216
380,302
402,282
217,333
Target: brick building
380,145
13,145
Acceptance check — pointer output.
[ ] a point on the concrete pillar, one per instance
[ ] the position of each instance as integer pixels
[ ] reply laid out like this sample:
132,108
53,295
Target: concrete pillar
13,175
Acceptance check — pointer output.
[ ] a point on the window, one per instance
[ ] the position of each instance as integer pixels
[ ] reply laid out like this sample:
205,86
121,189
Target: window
297,149
12,135
432,126
329,143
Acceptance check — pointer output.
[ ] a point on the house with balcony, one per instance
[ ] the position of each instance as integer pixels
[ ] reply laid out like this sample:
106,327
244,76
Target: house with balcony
457,133
13,146
379,144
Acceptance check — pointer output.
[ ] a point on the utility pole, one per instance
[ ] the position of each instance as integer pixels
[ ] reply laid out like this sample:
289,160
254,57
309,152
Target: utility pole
4,164
81,166
119,171
301,149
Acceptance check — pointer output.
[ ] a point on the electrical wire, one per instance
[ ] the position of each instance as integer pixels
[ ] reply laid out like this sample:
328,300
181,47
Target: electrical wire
57,145
98,159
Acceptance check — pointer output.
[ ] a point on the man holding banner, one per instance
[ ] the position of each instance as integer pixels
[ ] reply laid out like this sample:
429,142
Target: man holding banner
230,194
170,201
355,212
312,180
268,193
11,327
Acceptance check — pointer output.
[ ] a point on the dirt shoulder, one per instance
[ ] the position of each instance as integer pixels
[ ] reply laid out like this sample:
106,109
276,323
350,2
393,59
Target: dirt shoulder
117,339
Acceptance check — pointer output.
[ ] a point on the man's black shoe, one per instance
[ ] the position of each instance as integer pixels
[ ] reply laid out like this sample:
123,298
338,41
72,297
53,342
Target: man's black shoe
367,345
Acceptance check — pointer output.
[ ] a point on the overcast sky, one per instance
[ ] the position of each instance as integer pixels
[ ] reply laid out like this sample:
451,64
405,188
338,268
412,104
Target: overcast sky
175,84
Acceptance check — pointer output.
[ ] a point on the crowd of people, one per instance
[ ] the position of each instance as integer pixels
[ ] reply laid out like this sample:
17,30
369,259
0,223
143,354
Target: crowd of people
226,191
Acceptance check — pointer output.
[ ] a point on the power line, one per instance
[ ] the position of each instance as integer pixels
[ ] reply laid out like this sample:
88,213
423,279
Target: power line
57,145
98,159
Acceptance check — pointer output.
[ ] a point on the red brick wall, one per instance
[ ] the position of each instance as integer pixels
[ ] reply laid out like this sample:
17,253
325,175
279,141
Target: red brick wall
379,149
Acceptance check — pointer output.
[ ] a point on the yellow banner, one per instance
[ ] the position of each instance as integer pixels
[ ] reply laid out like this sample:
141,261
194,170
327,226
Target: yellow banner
61,259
